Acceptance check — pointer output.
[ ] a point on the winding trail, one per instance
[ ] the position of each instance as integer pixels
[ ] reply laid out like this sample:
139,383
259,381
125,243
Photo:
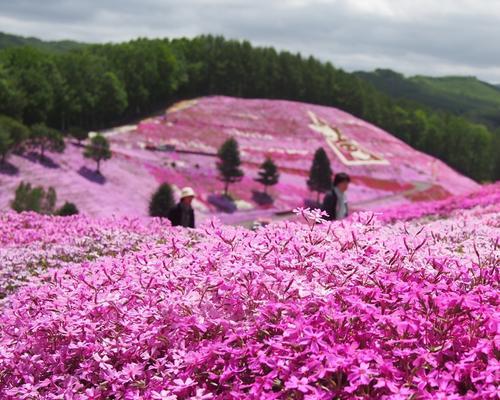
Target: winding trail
252,216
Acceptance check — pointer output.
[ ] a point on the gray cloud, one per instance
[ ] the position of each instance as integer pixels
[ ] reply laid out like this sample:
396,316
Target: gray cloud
424,37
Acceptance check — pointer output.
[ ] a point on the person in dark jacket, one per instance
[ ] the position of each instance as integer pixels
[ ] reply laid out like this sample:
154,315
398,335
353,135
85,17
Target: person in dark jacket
183,214
335,201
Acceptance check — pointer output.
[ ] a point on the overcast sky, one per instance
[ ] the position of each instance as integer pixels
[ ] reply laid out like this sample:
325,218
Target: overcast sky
429,37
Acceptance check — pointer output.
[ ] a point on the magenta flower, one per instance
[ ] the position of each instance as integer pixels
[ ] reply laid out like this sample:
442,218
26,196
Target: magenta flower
163,395
96,309
301,384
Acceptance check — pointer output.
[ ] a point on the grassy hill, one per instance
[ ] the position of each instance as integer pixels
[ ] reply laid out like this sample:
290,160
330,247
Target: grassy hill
8,40
461,95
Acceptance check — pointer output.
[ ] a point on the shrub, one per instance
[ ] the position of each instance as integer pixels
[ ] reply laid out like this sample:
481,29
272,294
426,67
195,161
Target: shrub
35,199
67,209
161,201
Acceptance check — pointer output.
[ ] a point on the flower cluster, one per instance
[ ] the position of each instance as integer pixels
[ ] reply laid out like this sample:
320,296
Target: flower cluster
350,309
30,243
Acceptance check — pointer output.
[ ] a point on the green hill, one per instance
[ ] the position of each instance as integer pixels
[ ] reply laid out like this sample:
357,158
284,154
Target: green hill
465,96
8,40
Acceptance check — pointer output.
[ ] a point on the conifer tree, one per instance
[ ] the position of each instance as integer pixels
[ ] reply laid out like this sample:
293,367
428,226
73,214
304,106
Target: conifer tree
268,174
229,163
320,174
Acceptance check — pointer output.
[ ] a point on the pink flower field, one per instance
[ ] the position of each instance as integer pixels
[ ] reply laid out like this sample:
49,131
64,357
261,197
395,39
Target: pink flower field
385,171
398,304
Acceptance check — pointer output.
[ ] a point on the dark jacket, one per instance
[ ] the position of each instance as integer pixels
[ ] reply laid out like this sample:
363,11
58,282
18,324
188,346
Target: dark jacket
175,216
330,205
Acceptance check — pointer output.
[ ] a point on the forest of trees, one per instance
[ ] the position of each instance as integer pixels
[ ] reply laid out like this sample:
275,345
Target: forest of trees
97,86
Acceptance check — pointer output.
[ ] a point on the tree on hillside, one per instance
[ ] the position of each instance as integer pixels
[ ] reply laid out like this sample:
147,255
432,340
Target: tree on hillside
45,138
35,199
268,174
13,136
79,134
98,150
320,174
161,201
229,163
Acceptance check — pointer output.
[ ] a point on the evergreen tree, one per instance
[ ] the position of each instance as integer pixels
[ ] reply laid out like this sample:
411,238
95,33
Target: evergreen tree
67,209
46,138
229,163
98,150
268,174
162,201
320,174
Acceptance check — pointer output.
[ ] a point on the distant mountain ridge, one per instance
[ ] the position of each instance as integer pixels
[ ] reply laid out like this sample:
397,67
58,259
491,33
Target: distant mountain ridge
8,40
460,95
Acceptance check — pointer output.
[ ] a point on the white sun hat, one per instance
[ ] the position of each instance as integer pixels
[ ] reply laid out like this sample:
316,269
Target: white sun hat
187,192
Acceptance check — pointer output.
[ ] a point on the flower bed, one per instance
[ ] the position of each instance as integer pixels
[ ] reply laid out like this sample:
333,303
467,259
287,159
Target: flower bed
357,309
487,195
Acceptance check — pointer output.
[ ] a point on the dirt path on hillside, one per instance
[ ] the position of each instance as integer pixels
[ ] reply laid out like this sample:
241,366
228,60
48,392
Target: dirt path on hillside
418,187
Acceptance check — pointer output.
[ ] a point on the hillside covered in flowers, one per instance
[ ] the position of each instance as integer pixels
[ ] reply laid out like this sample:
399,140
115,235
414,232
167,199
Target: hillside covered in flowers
402,304
180,147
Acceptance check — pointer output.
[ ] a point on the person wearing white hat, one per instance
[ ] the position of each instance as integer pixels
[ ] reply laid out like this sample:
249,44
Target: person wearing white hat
183,214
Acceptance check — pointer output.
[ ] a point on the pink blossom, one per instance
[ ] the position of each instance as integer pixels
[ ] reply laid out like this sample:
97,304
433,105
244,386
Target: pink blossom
133,309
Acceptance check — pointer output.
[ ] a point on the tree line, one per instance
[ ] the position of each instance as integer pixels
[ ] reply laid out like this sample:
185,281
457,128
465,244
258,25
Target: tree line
101,85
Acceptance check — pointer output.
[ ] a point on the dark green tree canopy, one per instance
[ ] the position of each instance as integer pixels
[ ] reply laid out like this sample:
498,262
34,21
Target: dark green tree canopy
78,133
229,163
268,174
12,135
18,132
45,138
161,201
98,150
320,174
6,143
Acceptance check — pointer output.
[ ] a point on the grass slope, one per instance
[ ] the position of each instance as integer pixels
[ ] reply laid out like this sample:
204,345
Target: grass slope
462,95
7,40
